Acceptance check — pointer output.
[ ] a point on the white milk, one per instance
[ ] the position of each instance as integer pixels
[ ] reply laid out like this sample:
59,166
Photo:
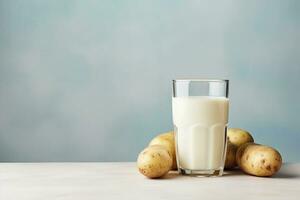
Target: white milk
200,123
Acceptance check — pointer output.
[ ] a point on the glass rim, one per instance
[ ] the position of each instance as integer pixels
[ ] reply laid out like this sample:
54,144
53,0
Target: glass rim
200,80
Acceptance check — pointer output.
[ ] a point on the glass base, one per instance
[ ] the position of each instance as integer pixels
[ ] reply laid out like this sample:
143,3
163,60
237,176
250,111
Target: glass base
204,173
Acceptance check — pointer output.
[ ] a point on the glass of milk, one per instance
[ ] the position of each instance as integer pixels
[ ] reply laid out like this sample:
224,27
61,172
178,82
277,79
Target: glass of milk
200,117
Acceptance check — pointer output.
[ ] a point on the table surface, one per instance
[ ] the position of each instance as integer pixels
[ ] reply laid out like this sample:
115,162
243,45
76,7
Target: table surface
103,181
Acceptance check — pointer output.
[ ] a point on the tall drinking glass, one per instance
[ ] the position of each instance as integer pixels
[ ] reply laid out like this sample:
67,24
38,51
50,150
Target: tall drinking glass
200,117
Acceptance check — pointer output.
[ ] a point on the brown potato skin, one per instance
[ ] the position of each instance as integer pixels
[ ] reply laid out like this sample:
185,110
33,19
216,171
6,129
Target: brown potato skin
236,137
239,136
154,161
167,140
230,161
240,151
258,160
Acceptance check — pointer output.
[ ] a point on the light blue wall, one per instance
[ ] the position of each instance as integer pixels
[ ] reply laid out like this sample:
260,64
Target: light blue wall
91,80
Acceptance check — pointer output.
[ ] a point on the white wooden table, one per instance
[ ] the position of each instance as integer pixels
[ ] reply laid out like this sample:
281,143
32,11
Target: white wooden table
103,181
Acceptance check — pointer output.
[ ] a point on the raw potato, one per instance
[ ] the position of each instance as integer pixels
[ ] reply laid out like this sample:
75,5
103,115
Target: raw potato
236,138
230,156
167,140
258,160
154,161
239,136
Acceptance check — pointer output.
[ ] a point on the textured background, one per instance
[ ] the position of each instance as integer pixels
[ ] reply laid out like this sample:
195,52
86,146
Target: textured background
91,80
